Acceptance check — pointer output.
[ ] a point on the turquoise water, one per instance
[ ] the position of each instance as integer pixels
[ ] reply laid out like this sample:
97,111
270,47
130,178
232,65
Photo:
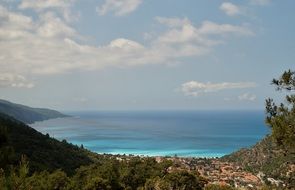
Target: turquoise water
162,133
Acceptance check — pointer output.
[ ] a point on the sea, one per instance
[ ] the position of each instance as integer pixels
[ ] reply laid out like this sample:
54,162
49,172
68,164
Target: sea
159,133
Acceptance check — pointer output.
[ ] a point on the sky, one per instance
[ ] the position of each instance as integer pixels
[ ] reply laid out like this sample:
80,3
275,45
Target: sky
144,54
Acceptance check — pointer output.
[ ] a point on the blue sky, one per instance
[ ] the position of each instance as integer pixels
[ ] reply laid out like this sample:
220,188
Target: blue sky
144,54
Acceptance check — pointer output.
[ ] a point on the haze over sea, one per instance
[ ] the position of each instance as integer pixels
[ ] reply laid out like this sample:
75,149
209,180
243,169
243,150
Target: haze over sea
159,133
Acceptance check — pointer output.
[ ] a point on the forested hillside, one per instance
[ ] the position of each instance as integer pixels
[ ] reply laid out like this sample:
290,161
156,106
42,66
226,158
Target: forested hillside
27,114
43,152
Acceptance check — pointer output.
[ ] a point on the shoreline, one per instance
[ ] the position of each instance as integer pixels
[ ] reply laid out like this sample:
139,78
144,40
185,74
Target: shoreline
200,156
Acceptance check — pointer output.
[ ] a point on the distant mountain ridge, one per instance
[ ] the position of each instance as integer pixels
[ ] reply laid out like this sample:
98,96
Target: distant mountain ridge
27,114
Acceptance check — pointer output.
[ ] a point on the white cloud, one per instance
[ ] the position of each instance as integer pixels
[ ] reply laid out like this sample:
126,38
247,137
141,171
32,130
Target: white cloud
209,27
230,9
195,88
184,38
182,30
52,26
63,7
125,44
119,7
247,97
44,4
260,2
16,81
47,45
173,22
14,21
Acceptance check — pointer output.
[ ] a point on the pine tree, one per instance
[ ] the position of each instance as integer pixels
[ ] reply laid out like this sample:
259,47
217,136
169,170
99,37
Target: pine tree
281,118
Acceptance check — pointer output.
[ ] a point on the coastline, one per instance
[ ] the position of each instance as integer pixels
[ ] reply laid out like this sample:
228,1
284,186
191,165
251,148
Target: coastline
164,155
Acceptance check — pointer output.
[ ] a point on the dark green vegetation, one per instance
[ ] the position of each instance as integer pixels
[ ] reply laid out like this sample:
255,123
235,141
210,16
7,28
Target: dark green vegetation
110,173
218,187
281,118
43,152
27,114
275,155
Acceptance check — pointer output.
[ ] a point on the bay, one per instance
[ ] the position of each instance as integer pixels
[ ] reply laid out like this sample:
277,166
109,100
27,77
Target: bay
159,133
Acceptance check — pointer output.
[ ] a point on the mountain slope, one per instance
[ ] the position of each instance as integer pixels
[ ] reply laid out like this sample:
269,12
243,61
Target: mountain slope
43,152
268,158
27,114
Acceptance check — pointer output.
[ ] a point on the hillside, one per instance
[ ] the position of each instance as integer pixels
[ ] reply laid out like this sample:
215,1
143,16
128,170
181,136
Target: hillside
43,152
60,165
268,158
27,114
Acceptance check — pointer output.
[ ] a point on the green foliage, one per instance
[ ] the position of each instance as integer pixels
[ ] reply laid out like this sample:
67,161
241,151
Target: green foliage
134,172
58,180
2,178
272,187
219,187
286,81
98,183
183,180
281,118
105,173
16,178
157,183
176,180
109,173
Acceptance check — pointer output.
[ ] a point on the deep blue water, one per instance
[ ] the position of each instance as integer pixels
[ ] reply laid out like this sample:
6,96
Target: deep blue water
165,133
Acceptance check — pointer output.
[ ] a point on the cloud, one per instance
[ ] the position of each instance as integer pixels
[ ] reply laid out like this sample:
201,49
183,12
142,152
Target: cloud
52,26
173,22
209,27
182,30
125,44
61,6
260,2
195,88
44,4
48,45
120,8
14,21
230,9
247,97
183,38
16,81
